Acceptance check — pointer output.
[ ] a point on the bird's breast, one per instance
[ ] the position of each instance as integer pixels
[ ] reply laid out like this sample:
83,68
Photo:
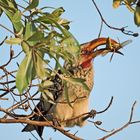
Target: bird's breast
77,91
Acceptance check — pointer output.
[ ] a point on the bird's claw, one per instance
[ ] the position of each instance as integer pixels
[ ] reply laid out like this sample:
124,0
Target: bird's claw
56,122
92,113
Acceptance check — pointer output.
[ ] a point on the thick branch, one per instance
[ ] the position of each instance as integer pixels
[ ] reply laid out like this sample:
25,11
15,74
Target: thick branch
41,123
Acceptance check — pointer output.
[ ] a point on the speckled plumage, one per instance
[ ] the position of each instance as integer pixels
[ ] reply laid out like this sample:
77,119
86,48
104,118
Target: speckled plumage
78,96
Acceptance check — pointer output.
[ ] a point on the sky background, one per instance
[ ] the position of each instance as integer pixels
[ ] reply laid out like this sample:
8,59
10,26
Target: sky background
120,78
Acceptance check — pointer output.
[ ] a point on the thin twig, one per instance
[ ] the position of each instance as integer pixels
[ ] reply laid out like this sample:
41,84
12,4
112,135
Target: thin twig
7,29
124,126
17,116
100,29
9,73
104,130
90,114
1,43
122,29
11,57
17,55
40,123
7,82
110,103
7,91
3,98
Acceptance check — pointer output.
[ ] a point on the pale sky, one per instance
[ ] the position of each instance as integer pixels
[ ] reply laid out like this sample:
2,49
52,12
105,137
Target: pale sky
120,78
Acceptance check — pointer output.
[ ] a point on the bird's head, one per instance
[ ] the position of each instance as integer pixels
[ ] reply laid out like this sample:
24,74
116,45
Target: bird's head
90,50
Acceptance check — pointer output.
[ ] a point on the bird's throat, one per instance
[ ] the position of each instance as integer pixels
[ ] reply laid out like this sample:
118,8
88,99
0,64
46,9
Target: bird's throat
89,51
87,63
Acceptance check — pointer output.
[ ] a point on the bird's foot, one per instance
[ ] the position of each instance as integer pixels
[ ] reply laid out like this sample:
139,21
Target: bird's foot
50,117
91,114
56,122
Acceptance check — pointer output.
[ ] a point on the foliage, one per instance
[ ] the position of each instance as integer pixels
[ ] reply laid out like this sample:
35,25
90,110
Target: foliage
44,36
39,32
132,5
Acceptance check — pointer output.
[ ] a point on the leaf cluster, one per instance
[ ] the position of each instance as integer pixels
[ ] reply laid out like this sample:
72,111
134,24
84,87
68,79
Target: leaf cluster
43,35
132,5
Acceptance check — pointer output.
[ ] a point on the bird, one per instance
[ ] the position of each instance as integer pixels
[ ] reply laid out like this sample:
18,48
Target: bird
62,110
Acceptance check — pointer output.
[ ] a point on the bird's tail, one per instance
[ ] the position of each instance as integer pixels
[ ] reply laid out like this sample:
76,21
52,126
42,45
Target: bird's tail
44,106
29,127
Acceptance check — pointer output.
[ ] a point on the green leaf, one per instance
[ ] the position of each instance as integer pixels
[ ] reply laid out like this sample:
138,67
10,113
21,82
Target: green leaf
1,12
17,25
24,73
58,64
58,12
37,36
25,47
129,5
70,45
4,1
7,5
46,94
49,95
67,94
16,17
33,5
46,97
46,83
48,19
30,29
77,81
13,41
39,64
10,9
12,3
64,22
131,1
19,34
137,16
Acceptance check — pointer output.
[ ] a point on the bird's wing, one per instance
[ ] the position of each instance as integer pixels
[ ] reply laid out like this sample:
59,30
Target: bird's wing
44,106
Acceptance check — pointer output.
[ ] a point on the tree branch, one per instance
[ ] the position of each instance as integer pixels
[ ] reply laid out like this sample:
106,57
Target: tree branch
124,126
41,123
122,29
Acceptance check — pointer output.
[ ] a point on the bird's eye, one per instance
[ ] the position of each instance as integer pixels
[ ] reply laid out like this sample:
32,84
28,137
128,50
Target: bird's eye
85,52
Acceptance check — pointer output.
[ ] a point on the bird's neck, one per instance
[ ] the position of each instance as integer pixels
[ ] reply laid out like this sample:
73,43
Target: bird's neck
87,74
88,52
87,64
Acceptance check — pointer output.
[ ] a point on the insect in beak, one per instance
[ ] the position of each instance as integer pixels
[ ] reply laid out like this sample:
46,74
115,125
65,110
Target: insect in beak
125,43
115,49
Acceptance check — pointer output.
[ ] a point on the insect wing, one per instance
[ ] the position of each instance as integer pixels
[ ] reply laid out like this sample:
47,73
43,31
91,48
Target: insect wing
126,43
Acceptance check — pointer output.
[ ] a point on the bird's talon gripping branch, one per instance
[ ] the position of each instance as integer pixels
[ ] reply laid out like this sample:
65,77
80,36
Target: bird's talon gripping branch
91,114
56,122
